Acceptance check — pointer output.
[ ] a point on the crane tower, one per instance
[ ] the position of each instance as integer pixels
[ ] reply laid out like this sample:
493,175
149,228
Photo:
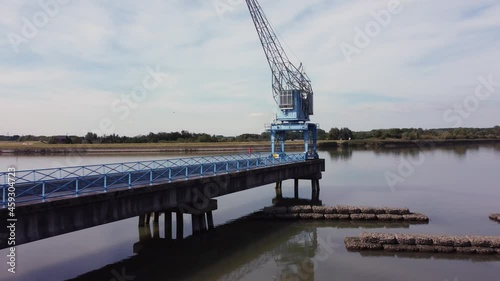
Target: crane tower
292,90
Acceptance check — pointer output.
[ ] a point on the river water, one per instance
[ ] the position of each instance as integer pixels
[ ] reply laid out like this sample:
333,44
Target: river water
457,187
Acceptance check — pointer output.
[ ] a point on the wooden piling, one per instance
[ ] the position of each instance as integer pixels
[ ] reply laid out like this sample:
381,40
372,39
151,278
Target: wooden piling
210,220
279,191
180,225
168,225
296,188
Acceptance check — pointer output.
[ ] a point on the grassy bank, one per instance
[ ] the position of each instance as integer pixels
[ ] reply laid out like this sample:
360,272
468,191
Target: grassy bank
34,148
44,148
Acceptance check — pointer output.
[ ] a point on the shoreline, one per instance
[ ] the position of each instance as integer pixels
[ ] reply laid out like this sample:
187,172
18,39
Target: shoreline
388,144
229,147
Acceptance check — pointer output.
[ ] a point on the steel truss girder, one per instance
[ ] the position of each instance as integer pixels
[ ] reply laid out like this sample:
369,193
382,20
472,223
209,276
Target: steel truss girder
278,134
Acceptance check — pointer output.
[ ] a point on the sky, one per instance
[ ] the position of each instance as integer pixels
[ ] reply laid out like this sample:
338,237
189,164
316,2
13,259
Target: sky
132,67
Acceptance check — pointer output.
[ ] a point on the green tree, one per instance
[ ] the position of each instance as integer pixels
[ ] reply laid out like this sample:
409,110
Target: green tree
334,134
90,137
345,134
322,135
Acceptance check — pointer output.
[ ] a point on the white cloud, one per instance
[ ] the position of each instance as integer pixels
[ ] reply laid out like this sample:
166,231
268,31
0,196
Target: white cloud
93,52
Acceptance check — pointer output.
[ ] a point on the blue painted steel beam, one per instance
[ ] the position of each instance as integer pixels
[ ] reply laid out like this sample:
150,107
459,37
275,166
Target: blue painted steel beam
41,184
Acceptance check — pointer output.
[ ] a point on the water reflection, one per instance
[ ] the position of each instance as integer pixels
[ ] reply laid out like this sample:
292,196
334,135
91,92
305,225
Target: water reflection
226,252
456,151
456,194
295,257
231,251
341,154
435,256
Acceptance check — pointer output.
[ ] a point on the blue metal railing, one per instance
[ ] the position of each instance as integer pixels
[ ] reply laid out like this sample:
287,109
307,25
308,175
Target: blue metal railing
41,184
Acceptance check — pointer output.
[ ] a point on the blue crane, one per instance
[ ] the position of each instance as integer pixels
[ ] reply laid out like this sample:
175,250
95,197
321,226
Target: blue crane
292,90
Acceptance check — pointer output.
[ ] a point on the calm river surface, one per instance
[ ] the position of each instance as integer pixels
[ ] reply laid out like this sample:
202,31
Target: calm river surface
457,187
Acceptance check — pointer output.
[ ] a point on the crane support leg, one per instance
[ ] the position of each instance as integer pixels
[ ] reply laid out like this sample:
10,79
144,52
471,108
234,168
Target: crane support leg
309,132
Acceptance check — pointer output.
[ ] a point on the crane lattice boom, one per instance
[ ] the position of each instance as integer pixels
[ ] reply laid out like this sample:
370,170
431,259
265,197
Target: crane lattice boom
292,90
286,76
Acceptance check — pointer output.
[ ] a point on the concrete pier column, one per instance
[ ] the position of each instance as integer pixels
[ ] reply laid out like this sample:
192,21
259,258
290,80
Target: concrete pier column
210,220
180,225
279,191
144,219
203,222
296,188
168,225
156,229
157,216
315,189
195,221
144,233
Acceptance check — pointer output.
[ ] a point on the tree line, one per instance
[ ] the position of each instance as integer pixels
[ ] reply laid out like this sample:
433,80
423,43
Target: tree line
419,134
333,134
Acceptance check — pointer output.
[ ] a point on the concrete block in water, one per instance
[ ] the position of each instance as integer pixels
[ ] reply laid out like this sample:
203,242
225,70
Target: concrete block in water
330,210
354,210
445,249
427,243
495,241
460,241
442,240
318,216
400,248
406,239
342,209
378,211
383,217
337,217
287,216
495,217
466,250
397,211
426,248
363,217
354,243
351,243
415,217
480,241
367,210
423,239
485,251
380,238
318,209
306,216
387,217
300,209
311,216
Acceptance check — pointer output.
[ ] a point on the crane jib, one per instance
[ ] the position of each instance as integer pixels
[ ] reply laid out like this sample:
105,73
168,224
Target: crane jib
292,90
287,79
